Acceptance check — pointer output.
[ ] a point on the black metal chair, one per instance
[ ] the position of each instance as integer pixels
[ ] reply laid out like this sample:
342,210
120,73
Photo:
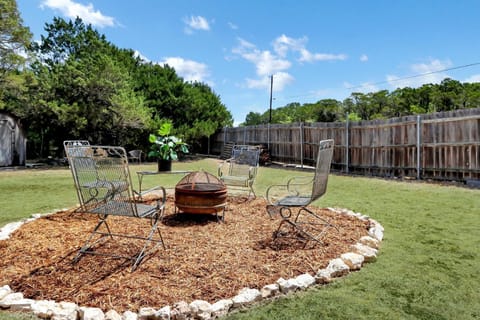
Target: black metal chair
298,193
104,187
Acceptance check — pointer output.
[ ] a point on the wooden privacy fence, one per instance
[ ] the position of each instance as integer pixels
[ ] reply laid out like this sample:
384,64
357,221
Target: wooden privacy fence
440,146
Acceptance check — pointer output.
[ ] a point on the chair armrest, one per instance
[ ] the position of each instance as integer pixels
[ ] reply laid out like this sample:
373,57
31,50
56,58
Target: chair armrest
161,202
295,186
252,172
300,186
299,181
276,192
222,167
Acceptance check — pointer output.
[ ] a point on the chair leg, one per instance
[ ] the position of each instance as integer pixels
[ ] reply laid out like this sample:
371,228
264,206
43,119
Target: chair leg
312,229
89,244
307,230
143,252
137,257
252,191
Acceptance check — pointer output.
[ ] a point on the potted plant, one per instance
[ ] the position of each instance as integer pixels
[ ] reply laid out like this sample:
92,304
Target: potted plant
166,147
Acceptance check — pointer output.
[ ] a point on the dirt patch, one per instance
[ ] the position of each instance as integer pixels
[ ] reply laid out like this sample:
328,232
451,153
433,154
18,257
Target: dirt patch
204,259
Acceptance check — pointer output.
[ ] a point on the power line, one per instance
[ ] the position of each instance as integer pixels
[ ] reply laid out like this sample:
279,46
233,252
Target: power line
394,80
417,75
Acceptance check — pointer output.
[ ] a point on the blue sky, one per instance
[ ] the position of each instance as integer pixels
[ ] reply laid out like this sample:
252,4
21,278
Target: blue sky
314,49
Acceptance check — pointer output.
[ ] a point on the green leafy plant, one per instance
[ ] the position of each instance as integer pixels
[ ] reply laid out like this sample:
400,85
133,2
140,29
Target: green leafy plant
166,146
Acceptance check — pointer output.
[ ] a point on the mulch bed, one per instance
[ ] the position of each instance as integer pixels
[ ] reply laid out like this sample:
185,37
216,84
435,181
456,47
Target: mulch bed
204,259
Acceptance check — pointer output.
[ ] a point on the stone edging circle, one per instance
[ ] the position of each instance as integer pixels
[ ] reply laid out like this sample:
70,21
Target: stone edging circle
364,251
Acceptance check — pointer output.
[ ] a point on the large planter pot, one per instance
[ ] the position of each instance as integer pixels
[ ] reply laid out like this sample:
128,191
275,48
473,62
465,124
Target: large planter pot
164,165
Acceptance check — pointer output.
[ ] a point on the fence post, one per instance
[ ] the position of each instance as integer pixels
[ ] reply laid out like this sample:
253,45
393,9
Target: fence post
419,167
347,146
224,136
301,144
268,137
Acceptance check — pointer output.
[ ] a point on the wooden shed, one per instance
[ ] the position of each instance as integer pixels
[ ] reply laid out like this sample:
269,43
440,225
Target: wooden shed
13,142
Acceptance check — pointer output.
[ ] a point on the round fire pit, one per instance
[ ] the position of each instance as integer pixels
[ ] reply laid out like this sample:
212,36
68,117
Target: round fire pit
200,192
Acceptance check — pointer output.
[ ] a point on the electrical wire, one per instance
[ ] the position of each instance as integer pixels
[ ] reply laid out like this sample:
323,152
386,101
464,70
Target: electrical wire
393,80
417,75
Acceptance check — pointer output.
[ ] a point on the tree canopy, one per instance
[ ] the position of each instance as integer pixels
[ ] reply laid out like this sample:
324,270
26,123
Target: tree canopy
80,86
448,95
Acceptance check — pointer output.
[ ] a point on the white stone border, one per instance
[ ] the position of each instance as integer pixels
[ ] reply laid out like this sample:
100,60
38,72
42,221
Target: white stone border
365,250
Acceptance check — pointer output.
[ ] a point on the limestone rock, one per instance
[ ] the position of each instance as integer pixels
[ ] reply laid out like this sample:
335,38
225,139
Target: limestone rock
270,290
246,296
87,313
370,242
337,268
4,291
370,254
181,311
112,315
323,276
221,307
304,281
164,313
65,311
287,286
129,315
146,313
353,260
44,308
201,309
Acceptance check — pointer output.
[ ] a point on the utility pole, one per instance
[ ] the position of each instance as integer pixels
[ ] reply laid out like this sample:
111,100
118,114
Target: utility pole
271,90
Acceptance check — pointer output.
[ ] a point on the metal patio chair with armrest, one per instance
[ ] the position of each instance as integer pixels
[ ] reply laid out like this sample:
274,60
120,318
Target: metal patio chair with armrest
135,155
241,169
102,179
299,193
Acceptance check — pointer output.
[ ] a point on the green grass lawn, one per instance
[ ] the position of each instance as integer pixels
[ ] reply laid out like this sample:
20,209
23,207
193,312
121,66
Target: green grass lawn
427,268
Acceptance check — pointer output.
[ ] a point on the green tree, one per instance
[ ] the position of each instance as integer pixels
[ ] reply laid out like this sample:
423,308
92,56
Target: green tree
86,90
327,110
254,118
14,41
14,37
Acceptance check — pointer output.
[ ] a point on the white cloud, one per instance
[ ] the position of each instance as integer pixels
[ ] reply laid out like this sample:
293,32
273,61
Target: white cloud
189,70
283,44
277,62
307,56
365,87
474,78
265,62
138,54
73,10
280,81
196,23
232,26
363,58
430,72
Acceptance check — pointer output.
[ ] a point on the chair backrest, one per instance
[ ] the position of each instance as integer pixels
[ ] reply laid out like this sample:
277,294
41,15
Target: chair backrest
322,168
71,148
243,159
102,179
136,154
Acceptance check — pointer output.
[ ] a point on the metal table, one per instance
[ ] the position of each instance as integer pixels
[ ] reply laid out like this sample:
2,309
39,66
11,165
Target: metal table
141,174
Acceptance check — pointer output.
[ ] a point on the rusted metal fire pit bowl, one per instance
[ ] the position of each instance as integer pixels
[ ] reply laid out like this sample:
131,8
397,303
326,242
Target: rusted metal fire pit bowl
200,192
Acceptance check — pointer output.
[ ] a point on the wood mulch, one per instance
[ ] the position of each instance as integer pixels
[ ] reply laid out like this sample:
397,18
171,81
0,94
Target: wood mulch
204,259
